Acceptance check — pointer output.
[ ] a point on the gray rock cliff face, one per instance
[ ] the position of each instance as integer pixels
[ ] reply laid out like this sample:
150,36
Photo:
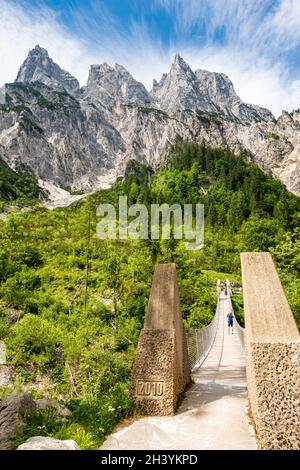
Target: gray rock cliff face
38,67
109,85
82,138
208,91
223,99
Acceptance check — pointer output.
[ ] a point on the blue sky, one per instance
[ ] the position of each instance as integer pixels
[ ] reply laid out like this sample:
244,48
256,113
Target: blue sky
255,42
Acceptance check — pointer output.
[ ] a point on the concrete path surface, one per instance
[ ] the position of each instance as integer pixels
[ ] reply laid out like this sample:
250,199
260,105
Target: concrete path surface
213,414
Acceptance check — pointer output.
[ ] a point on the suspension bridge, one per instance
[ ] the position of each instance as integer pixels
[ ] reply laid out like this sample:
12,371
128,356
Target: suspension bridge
208,389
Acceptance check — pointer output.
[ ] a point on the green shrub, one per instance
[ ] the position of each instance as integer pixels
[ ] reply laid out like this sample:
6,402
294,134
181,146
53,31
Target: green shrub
34,340
41,423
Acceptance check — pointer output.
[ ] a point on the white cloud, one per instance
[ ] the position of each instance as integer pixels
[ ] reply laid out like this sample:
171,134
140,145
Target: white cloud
268,25
21,29
282,28
251,57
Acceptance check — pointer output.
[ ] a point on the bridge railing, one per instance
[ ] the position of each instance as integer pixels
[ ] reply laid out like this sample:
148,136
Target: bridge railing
238,328
200,341
240,331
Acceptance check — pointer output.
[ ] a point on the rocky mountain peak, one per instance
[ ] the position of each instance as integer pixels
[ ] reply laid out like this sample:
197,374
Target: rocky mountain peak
84,139
177,89
179,62
107,84
39,67
180,67
220,91
104,67
210,92
38,51
119,68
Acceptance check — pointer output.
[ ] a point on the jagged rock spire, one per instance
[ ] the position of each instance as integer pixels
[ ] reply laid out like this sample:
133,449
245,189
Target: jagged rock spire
39,67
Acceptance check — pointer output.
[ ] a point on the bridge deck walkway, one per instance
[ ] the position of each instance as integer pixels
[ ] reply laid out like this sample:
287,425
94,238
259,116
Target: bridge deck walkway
213,414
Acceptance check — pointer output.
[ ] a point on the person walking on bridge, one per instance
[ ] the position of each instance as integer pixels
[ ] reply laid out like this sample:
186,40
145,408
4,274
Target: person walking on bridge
229,317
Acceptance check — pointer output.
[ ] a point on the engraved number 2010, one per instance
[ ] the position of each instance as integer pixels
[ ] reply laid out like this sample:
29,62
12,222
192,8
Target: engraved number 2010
147,388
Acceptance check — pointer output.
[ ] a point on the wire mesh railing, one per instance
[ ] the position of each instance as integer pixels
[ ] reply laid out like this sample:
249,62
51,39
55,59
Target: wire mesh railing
240,331
200,341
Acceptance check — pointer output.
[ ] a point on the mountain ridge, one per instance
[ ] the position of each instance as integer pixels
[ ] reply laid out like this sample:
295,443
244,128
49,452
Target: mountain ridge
82,137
